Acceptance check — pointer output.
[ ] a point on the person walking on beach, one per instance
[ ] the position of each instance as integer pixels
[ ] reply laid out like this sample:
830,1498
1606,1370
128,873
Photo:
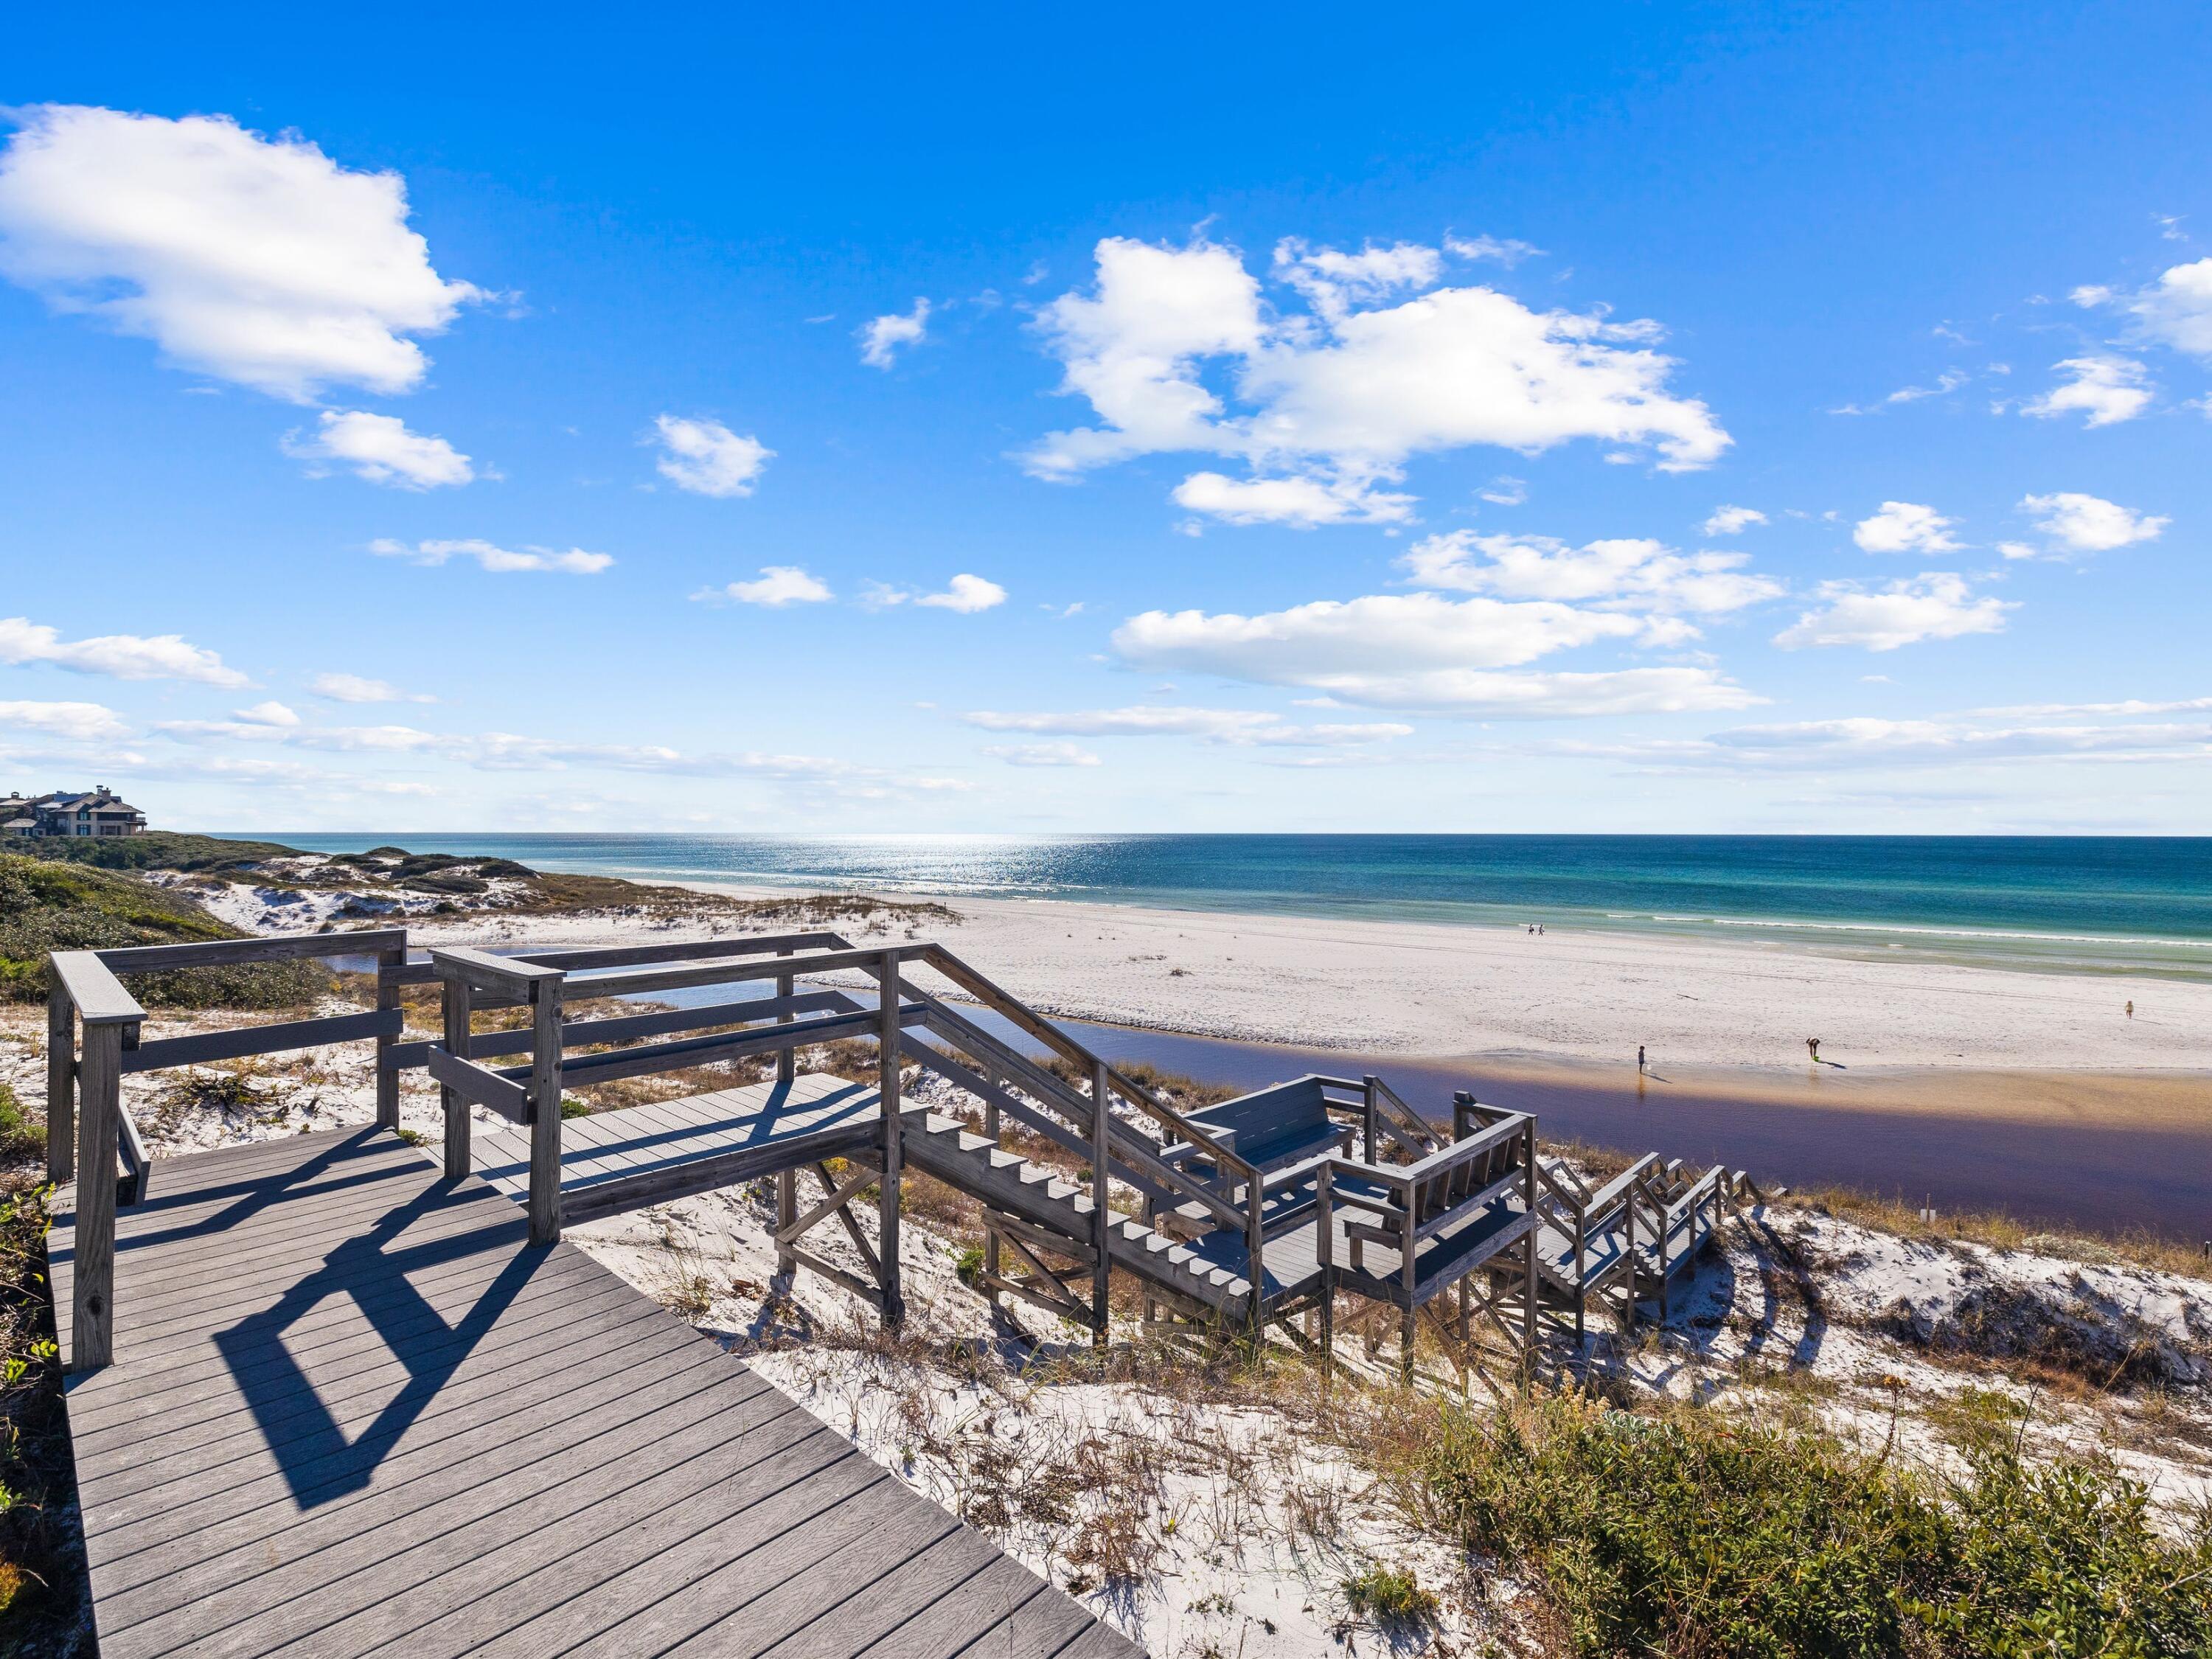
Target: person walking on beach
1639,1060
2131,1007
1812,1047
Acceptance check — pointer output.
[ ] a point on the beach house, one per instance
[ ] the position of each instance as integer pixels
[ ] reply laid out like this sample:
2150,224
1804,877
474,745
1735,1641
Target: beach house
100,812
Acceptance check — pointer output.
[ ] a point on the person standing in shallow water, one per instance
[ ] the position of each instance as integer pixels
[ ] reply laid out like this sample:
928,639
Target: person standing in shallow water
1639,1060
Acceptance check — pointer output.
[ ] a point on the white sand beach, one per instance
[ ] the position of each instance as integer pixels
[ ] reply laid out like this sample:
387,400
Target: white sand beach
1572,995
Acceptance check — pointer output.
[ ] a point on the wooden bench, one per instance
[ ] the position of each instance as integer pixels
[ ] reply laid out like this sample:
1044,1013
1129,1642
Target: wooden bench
1270,1129
1285,1131
1441,1218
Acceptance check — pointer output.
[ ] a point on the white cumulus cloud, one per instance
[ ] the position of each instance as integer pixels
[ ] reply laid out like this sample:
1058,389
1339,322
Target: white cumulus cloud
118,656
355,687
2174,311
2089,524
1380,366
707,459
2107,390
1300,502
1933,605
778,585
500,560
1904,528
271,713
1423,652
882,337
81,722
255,260
964,593
380,448
1732,520
1625,572
1043,754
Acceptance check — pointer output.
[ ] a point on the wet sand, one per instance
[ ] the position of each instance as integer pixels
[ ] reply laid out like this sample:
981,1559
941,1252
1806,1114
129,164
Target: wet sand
2101,1151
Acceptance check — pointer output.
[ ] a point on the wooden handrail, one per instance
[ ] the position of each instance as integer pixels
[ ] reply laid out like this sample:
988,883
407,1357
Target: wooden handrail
1137,1153
228,952
637,981
1000,1002
507,976
93,991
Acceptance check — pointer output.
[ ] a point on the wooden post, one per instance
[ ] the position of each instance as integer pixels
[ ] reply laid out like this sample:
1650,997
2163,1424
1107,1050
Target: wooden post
1581,1269
61,1082
389,962
1255,1259
786,1062
456,1008
1367,1111
887,1090
100,1076
1628,1253
1409,1241
1528,1287
991,1129
545,1111
787,1180
1101,1217
1324,1246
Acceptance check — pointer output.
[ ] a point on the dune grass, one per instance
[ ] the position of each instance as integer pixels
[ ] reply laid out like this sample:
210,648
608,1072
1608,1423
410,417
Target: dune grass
1695,1533
51,905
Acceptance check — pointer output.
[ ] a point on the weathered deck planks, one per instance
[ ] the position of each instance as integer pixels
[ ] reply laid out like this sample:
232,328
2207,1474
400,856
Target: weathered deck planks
351,1410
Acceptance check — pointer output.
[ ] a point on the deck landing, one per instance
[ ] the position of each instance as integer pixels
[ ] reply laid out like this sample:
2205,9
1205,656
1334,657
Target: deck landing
351,1412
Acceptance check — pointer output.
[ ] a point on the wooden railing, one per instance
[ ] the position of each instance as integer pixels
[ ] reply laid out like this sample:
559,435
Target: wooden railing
93,1041
1108,1137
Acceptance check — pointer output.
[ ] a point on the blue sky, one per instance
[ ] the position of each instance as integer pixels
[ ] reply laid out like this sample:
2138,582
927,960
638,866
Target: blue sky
1009,423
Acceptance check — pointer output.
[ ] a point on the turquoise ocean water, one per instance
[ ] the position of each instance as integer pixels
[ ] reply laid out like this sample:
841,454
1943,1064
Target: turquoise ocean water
2066,903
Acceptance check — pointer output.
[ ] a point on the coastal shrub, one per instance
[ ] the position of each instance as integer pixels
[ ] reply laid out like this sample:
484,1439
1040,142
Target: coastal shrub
1392,1597
158,849
21,1136
54,906
1697,1533
42,1575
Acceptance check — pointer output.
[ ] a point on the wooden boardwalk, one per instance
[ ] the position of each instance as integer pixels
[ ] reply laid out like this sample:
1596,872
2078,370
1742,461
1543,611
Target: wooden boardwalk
351,1410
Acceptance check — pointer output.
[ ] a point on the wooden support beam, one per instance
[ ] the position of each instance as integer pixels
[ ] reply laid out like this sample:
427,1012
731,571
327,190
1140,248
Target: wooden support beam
545,1111
100,1079
203,1047
786,1060
61,1083
456,1010
1101,1217
837,1275
389,960
838,1196
887,1086
479,1087
229,952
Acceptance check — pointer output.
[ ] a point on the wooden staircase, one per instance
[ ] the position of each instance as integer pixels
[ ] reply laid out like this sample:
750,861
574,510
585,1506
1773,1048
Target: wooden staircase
1040,1213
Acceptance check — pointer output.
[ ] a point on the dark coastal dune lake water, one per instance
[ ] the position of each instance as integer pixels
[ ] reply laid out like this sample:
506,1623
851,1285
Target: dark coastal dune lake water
2065,904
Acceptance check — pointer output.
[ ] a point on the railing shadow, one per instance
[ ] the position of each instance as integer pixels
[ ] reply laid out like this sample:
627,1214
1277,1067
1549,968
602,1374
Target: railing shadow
318,1462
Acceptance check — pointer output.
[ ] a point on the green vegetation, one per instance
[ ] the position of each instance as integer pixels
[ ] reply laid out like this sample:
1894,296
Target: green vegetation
1389,1596
20,1137
968,1267
55,905
42,1581
158,849
1699,1534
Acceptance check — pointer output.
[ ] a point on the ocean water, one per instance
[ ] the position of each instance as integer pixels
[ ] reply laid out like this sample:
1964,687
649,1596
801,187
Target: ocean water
2060,902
